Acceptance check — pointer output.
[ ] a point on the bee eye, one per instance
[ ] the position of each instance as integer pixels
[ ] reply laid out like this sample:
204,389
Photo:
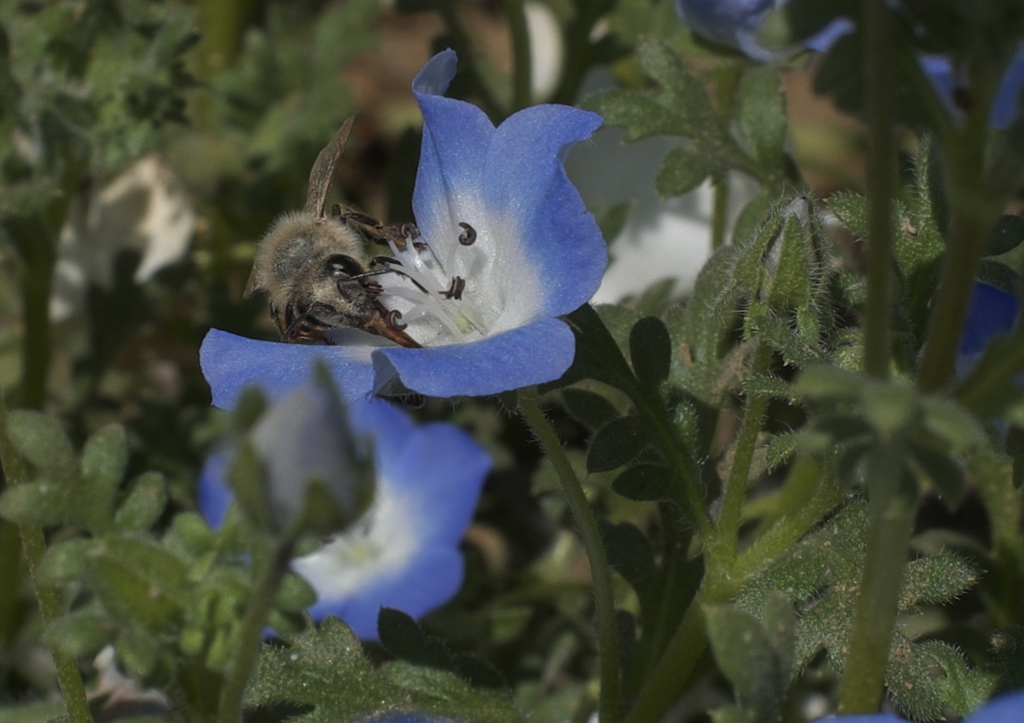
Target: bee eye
338,265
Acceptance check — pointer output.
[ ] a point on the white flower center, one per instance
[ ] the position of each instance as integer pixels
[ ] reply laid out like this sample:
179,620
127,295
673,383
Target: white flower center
378,545
434,287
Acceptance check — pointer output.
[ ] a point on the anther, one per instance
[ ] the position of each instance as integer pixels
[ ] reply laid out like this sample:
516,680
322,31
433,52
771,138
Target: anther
391,319
469,237
456,289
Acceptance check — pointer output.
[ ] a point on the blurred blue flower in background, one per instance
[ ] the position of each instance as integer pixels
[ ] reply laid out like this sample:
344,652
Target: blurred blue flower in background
507,246
992,312
1006,105
1003,709
402,552
737,24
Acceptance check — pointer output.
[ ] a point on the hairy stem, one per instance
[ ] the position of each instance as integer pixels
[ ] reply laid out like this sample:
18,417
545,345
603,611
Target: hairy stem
727,537
251,636
607,636
892,523
881,186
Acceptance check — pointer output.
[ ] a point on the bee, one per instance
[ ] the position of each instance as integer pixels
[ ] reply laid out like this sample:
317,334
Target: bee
314,269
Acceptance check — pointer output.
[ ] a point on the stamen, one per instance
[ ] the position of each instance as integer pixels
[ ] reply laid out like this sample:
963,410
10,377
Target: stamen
455,290
469,237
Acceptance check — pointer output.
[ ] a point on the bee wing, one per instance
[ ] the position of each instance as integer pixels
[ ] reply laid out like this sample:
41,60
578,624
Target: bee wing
255,283
323,171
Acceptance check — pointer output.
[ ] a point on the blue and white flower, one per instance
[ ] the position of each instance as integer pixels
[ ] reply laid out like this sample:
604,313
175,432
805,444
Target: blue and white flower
402,552
738,24
484,308
1004,709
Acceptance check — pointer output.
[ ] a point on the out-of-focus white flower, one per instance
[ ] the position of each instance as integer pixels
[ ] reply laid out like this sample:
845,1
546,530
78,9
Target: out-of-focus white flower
144,209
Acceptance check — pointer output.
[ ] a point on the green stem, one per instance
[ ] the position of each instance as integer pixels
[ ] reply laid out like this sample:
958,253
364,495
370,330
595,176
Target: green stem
974,207
881,186
727,77
51,606
522,71
607,635
723,554
892,524
253,624
666,682
659,429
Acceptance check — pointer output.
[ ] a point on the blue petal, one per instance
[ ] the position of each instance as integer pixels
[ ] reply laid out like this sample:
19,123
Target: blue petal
446,489
432,578
516,171
232,363
721,20
526,183
213,496
1007,708
456,138
538,352
992,312
434,77
1006,105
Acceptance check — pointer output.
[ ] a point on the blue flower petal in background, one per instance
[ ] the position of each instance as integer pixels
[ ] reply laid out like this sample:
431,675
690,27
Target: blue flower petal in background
403,552
506,246
1003,709
992,312
1007,104
737,24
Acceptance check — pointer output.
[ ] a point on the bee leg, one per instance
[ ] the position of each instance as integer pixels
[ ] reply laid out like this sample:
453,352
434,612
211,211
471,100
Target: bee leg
304,328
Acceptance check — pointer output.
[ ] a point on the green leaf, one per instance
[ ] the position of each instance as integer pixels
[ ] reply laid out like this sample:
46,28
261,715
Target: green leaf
590,408
645,483
104,458
402,637
64,561
144,503
324,667
683,170
80,634
761,116
42,442
629,552
138,580
641,115
615,444
756,658
650,350
597,354
40,504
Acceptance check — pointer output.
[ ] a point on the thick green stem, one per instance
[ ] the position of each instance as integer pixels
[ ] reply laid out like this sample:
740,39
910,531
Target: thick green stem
723,553
892,523
607,635
51,606
974,207
522,71
881,187
253,624
971,219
